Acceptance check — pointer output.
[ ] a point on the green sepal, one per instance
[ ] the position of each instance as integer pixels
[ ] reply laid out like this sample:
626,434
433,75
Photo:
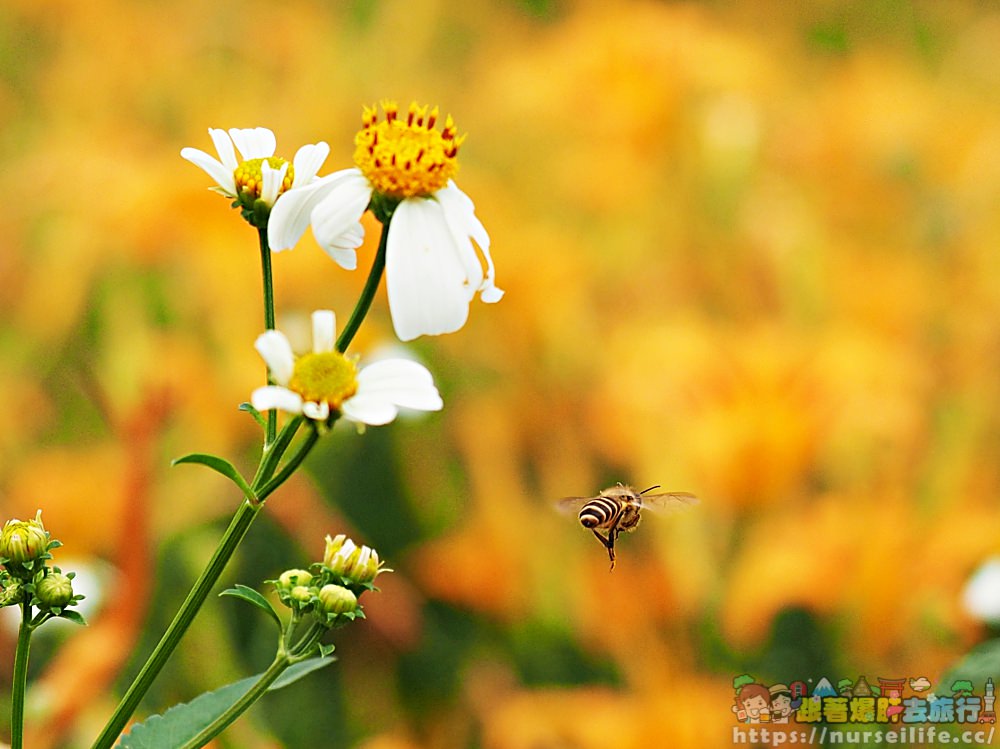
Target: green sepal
326,649
257,416
223,466
252,596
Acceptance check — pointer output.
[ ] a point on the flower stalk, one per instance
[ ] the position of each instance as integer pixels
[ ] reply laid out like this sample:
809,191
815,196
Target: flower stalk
20,678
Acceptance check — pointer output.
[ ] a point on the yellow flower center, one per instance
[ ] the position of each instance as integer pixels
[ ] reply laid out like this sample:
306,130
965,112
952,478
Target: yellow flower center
249,178
329,377
406,157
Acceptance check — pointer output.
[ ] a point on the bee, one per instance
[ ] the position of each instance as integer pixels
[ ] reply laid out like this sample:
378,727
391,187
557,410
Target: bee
618,509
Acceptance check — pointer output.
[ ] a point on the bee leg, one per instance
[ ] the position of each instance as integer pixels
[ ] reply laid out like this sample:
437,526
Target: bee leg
608,542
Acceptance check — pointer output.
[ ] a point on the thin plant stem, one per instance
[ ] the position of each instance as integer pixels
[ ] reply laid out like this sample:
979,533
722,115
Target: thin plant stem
268,282
20,678
182,620
367,293
282,661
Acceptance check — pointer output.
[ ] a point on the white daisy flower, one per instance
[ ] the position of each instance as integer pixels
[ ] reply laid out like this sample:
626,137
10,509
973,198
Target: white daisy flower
438,253
325,382
258,174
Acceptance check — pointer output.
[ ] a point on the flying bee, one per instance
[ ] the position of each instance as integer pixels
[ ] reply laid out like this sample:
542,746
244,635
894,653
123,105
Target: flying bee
618,509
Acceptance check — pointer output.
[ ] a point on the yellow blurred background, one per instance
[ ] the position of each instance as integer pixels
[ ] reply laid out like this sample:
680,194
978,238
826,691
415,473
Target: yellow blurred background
750,250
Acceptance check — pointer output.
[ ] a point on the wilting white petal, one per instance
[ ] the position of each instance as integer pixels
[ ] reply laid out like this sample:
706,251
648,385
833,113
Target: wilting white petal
271,180
253,143
271,396
425,279
324,323
307,162
223,177
276,351
335,219
290,216
982,593
343,253
317,411
463,224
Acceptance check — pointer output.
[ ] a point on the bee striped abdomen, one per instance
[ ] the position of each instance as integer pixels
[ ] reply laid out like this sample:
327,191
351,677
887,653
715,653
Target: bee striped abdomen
600,512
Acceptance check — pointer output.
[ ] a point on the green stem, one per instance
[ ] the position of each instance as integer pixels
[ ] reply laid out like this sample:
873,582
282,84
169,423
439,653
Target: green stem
367,293
263,485
265,268
182,620
20,678
282,661
258,690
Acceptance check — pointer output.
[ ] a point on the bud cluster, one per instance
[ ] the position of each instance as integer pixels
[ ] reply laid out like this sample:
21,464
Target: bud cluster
26,577
331,590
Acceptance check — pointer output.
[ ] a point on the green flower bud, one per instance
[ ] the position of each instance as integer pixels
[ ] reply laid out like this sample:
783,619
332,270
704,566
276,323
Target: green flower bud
23,541
11,593
54,591
301,594
292,578
335,599
358,564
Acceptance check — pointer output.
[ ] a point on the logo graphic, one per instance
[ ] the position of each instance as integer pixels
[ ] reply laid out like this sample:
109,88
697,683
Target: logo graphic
880,700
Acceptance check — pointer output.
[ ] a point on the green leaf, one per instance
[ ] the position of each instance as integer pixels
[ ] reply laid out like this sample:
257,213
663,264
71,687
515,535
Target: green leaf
73,616
223,466
183,722
252,596
257,416
978,665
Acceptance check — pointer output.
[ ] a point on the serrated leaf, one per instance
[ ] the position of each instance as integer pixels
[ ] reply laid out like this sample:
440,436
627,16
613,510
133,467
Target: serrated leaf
220,465
183,722
252,596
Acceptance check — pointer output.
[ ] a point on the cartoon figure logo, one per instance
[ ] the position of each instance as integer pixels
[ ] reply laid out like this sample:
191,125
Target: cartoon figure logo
863,700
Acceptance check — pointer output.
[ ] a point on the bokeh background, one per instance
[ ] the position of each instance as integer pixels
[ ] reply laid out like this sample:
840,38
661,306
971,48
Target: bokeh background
751,250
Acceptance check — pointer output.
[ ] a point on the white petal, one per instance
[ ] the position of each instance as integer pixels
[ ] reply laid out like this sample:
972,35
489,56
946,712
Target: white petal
425,279
271,180
290,216
253,143
401,382
344,252
368,410
216,170
224,147
307,162
982,593
324,330
335,218
276,351
317,411
463,224
271,396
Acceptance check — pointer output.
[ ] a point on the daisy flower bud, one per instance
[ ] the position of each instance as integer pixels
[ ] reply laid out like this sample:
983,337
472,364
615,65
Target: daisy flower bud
23,541
335,600
54,591
357,564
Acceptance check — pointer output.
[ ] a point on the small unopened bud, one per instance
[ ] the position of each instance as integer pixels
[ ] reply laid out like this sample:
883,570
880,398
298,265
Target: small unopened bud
301,594
358,564
23,541
292,578
11,593
335,599
54,591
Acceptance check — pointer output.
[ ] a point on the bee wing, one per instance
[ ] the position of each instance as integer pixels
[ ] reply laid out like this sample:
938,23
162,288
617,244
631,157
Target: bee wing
571,504
668,501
